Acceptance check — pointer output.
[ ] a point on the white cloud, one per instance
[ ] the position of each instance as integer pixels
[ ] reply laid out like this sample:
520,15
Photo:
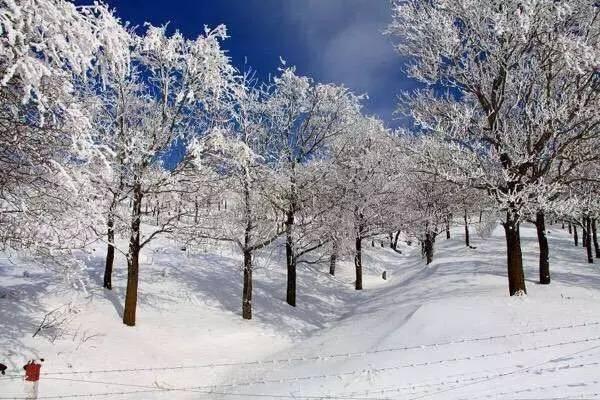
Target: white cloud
345,44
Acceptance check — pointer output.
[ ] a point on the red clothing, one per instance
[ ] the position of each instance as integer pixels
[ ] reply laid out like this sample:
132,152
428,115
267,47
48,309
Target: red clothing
32,371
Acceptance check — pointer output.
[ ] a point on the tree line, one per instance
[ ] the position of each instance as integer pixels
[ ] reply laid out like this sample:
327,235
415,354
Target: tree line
116,134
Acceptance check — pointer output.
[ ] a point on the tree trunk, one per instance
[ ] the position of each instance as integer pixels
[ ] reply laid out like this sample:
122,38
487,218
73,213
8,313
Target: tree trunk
110,252
133,257
290,259
333,258
584,232
570,229
247,287
588,240
595,237
157,212
396,240
467,242
290,251
110,225
448,226
358,262
247,291
540,225
428,247
516,276
575,237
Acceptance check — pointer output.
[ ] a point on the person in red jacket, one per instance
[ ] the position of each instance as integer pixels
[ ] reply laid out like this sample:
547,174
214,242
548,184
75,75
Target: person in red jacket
32,370
32,377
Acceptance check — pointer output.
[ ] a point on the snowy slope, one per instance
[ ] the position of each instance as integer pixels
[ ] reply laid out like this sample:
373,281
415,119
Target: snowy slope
446,331
449,331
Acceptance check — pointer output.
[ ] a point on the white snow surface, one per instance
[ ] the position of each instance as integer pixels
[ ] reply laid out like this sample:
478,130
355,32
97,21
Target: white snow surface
444,331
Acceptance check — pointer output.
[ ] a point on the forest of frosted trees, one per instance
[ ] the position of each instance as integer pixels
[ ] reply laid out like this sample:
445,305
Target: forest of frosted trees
119,136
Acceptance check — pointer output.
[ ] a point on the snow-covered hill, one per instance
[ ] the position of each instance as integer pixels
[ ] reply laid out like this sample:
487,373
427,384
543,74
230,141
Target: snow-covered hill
446,331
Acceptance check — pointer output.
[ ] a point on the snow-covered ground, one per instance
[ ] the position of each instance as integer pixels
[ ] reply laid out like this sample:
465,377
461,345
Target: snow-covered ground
446,331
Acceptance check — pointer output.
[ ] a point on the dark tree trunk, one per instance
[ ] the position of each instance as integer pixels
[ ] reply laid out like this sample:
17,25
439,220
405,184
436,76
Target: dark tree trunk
247,286
575,237
595,237
428,247
110,252
157,212
359,227
584,232
448,226
247,291
588,240
563,225
396,240
133,257
290,259
480,215
358,262
110,233
516,276
570,230
540,225
333,258
290,251
467,241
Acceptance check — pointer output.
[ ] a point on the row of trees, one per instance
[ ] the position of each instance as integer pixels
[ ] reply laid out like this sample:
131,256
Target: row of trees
510,106
111,133
115,133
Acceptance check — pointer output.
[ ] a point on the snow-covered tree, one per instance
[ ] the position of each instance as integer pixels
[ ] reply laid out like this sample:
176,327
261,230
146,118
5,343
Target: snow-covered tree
467,203
174,91
113,106
365,173
304,117
521,97
426,208
582,209
236,153
47,48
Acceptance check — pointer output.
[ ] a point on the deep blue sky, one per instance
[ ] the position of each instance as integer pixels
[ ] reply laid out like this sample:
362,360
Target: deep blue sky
336,41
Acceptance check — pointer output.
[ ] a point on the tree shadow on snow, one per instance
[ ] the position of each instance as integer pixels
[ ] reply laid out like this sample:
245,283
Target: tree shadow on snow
148,296
21,312
217,281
